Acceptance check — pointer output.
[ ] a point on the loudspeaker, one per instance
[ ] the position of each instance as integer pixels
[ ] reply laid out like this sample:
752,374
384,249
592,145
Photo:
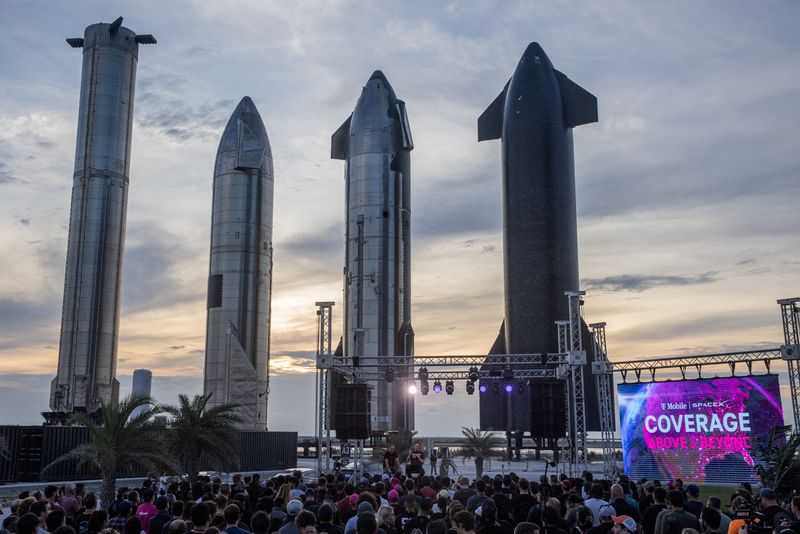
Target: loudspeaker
351,411
548,409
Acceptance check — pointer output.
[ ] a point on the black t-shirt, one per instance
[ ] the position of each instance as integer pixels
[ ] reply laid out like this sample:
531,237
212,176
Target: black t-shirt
649,517
623,508
520,506
390,459
771,512
420,522
416,457
402,519
502,503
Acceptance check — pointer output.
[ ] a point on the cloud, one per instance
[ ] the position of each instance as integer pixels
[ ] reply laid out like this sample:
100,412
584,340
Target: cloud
6,177
635,282
152,265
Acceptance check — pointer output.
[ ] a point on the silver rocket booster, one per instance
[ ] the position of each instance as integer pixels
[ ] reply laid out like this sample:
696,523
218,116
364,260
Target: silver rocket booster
240,269
87,356
375,142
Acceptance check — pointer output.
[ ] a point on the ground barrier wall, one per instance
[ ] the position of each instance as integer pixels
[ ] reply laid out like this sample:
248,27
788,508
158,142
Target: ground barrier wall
29,449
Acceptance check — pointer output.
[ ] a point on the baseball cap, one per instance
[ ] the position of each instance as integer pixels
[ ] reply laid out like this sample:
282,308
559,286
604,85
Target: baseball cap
693,490
365,508
445,494
607,511
769,493
385,476
393,495
626,521
294,507
353,498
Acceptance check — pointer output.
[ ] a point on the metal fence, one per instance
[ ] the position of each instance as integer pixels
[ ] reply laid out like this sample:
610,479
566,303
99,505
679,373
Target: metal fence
29,449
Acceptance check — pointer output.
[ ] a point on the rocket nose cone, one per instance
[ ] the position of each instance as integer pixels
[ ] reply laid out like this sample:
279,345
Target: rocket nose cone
247,112
378,75
534,55
246,105
245,122
378,80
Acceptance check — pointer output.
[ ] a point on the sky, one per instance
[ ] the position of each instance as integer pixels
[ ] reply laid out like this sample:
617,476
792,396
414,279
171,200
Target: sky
687,188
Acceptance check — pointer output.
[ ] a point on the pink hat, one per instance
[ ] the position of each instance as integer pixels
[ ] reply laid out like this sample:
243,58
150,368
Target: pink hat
353,499
394,482
393,496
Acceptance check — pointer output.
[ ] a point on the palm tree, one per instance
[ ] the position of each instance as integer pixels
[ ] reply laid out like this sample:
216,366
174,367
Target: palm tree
197,431
478,445
119,443
775,460
402,441
446,464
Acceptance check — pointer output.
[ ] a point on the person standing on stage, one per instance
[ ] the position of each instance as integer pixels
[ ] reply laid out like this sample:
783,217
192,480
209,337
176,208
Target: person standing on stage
433,461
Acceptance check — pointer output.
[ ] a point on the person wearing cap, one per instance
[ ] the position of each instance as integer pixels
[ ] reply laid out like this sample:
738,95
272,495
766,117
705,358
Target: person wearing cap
769,505
162,517
675,518
624,524
605,513
293,509
693,505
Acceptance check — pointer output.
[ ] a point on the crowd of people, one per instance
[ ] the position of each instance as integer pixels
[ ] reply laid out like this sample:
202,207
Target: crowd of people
392,503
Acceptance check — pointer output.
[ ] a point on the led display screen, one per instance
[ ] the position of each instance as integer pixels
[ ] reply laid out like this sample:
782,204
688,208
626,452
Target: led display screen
698,430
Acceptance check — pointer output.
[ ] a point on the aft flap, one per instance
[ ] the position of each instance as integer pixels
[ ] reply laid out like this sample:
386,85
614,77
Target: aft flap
490,123
339,140
580,106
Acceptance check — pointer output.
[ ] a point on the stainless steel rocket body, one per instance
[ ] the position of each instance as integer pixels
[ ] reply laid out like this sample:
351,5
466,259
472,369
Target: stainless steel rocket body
240,269
375,143
87,357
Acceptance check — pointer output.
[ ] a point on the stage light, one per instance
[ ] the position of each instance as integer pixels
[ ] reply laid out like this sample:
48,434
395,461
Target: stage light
449,387
483,388
412,389
508,379
437,387
389,376
473,374
424,388
423,374
471,387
